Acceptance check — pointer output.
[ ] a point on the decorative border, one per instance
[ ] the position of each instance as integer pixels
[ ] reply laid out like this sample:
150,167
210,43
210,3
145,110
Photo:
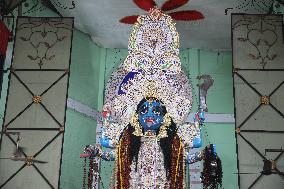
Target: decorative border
248,22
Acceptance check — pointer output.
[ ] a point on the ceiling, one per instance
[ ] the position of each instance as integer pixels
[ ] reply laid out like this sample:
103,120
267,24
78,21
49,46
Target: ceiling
101,20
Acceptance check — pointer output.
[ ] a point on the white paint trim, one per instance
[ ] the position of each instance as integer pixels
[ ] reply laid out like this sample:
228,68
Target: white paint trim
83,109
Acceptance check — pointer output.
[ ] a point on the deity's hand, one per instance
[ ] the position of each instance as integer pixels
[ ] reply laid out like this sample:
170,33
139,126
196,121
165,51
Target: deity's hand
90,151
200,117
193,158
96,151
106,142
199,121
208,151
197,142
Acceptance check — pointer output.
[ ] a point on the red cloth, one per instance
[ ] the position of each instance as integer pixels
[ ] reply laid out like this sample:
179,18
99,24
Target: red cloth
5,34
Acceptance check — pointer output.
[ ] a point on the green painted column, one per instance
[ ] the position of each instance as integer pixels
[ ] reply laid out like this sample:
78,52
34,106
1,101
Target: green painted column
220,100
86,86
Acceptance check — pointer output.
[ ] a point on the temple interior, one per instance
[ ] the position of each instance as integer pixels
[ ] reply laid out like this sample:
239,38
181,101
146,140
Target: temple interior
209,74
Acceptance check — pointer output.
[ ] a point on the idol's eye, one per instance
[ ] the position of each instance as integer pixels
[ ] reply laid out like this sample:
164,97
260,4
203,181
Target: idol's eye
143,110
157,110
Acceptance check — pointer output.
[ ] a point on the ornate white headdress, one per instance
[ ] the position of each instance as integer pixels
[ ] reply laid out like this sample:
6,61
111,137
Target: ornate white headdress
153,59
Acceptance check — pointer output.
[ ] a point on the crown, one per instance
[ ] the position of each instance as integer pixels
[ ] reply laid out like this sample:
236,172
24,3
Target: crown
155,14
151,90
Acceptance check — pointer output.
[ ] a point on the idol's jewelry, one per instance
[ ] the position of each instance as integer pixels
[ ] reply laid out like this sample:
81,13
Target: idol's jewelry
151,91
135,123
164,127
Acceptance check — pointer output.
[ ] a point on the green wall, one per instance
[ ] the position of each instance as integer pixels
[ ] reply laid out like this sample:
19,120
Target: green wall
219,100
84,87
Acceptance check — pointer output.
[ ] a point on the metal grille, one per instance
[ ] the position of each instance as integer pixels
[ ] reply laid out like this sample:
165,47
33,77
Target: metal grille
258,71
36,104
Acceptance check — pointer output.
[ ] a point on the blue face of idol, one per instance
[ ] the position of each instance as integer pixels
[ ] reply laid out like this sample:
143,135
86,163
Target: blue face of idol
150,115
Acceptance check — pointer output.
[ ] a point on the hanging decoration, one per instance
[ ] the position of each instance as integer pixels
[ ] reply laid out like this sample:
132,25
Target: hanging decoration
92,174
212,173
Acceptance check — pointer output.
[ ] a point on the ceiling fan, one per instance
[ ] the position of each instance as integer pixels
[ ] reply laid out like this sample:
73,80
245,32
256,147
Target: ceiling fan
18,154
269,167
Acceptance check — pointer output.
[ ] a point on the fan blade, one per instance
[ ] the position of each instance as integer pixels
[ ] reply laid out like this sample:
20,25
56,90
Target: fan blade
173,4
39,161
10,133
19,151
187,15
129,19
246,173
24,159
145,4
18,158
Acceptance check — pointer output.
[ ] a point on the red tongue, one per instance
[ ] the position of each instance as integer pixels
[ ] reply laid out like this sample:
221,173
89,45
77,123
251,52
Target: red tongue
149,120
